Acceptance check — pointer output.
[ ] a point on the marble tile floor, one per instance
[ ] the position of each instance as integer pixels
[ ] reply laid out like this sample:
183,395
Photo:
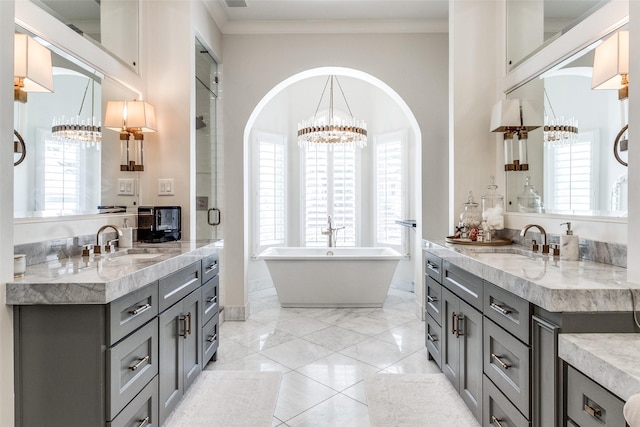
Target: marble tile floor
325,354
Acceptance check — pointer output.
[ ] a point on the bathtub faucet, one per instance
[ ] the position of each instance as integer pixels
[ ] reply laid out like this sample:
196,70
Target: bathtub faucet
331,232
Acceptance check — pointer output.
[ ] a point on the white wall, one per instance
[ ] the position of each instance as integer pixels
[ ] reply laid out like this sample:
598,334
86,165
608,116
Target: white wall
411,64
475,39
633,246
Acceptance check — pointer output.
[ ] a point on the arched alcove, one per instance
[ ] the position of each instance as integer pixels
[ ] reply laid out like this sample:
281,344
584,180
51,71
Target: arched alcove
283,107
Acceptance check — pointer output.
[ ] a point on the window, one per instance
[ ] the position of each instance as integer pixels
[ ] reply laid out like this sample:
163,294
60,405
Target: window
61,175
329,186
570,179
390,189
271,190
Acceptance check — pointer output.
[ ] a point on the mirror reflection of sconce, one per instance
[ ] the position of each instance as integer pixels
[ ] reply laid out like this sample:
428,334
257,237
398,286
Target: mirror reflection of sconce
131,118
611,71
516,117
32,72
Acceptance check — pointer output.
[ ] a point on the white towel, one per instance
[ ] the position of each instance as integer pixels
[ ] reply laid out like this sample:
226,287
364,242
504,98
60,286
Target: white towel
631,411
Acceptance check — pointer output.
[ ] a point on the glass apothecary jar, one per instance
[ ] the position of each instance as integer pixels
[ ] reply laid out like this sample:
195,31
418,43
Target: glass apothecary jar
529,200
492,211
470,219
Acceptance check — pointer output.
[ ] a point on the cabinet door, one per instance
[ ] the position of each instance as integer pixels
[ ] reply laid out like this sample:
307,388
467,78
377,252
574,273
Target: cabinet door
450,350
192,342
171,335
545,374
469,329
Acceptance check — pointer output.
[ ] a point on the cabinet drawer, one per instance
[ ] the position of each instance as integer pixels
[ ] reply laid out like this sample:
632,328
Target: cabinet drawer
433,266
128,313
590,404
464,284
131,364
434,294
210,298
210,339
433,333
142,411
210,267
178,285
507,310
506,362
497,410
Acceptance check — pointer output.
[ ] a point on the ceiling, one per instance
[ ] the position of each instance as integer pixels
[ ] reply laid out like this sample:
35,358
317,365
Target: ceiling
330,15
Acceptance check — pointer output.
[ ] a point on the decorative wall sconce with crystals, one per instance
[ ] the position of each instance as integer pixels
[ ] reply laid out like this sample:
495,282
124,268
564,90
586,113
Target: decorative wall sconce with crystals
331,129
131,118
611,71
515,118
32,72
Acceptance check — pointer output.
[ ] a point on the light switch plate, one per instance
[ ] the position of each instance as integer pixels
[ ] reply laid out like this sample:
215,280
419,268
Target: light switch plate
126,187
165,187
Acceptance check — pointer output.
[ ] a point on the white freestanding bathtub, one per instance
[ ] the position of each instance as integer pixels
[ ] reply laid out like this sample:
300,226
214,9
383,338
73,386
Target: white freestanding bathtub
331,277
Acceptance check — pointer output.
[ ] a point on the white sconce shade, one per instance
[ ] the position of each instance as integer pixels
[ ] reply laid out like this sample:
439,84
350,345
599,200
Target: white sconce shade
32,71
137,116
515,115
611,62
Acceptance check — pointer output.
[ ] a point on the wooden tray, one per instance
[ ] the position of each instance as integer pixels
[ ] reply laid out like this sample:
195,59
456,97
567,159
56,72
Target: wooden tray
494,242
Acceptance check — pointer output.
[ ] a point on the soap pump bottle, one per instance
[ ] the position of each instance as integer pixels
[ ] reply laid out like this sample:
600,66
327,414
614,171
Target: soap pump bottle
569,245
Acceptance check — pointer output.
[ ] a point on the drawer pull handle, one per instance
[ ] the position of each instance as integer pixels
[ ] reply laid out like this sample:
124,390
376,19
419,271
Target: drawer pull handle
212,338
459,318
144,422
495,421
500,309
431,338
188,324
211,267
184,333
139,309
140,363
453,323
594,412
432,266
431,299
211,299
500,361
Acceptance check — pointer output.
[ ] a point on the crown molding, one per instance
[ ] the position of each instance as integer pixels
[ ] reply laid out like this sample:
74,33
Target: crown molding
334,27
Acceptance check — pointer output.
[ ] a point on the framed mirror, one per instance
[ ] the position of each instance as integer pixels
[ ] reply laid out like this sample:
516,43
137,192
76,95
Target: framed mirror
66,169
533,24
113,25
575,173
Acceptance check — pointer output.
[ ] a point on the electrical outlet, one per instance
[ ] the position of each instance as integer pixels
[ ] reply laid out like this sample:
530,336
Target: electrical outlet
126,187
165,187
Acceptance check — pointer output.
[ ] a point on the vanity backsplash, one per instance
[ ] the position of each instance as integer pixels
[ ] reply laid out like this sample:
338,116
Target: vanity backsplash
52,250
602,252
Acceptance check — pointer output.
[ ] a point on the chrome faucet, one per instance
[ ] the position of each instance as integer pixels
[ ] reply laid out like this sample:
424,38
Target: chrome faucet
98,248
330,232
545,246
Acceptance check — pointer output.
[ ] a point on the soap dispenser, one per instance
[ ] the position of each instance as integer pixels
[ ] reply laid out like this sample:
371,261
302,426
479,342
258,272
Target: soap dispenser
569,245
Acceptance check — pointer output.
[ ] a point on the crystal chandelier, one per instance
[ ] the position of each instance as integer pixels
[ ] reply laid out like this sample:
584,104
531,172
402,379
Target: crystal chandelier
332,129
559,129
76,129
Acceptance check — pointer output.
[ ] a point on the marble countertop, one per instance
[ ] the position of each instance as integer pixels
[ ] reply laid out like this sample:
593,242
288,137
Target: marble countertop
546,281
100,279
610,359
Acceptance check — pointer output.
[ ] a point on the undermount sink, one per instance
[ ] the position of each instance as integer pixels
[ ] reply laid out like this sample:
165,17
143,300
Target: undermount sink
138,254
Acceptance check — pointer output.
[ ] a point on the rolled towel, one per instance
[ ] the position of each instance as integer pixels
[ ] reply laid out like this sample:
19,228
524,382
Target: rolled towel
631,411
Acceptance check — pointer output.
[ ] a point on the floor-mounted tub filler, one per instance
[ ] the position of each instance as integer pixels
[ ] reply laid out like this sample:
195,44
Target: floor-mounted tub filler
331,277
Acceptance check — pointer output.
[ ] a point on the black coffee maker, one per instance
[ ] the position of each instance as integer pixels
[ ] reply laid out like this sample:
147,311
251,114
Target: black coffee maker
158,224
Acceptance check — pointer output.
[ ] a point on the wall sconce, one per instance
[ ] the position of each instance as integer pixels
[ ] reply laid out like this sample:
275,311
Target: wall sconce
516,117
131,118
611,71
32,72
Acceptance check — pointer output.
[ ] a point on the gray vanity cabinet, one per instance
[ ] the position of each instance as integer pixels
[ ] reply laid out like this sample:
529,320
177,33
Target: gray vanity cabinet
85,365
180,339
462,349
